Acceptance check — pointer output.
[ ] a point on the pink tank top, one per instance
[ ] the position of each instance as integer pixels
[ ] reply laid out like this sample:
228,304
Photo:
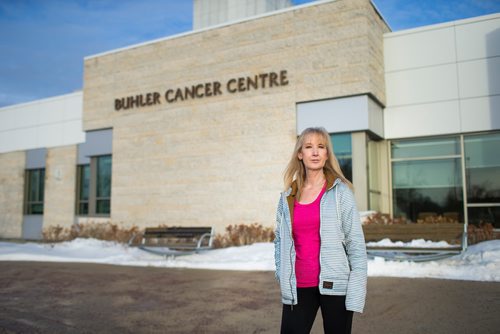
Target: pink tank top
306,221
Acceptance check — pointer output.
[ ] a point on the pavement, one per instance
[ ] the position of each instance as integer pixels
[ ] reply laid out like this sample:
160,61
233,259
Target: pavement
38,297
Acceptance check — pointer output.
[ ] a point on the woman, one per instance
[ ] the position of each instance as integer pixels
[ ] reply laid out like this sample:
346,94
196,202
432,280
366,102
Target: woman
320,249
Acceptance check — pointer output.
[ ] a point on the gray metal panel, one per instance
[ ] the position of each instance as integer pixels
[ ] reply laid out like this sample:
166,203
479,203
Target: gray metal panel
348,114
32,227
36,158
376,118
99,142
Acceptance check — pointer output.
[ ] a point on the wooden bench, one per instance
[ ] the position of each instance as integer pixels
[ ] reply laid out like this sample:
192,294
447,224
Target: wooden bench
174,240
453,233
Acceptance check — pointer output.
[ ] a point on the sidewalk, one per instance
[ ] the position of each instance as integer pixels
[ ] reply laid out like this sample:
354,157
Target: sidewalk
40,297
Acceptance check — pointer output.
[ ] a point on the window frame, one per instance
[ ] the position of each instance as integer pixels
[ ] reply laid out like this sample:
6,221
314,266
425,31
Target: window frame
461,155
40,194
341,157
473,205
92,192
458,156
79,201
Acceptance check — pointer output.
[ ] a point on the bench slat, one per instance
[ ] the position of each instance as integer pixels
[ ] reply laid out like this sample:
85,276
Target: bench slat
180,232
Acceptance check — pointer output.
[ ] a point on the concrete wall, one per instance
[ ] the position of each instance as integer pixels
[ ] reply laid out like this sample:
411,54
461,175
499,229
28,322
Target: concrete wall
360,169
11,194
60,186
208,13
219,160
51,122
443,79
378,176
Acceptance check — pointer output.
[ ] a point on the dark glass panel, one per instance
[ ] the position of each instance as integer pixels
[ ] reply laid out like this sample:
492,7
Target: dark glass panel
415,203
34,177
35,208
490,214
35,192
84,182
103,206
104,176
342,148
83,208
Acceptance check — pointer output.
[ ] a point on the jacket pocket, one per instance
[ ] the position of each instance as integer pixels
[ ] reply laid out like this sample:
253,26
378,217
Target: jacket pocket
334,286
334,260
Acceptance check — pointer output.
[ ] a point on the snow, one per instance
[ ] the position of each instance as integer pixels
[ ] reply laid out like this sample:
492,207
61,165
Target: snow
417,243
479,262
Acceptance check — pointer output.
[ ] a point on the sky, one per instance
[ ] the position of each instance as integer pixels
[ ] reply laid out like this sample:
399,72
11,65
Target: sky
43,42
480,262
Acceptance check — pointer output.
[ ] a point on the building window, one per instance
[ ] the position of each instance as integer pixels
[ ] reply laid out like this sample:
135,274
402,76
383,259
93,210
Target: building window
482,170
94,187
427,178
35,184
342,147
103,185
83,180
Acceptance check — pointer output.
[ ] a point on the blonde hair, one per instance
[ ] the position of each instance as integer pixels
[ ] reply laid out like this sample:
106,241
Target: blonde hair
295,171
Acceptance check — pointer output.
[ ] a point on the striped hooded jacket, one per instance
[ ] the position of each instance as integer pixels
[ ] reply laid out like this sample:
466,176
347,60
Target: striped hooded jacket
343,267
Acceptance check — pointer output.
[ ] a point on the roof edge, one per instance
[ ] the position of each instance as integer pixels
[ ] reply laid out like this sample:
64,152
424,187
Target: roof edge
226,24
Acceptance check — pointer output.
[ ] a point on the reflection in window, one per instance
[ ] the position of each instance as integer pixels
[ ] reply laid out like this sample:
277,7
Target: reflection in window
482,170
487,214
342,147
103,187
35,181
427,178
83,190
482,165
424,187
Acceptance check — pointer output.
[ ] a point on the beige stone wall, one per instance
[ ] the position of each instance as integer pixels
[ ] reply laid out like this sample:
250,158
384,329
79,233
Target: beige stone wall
376,29
11,194
219,160
60,186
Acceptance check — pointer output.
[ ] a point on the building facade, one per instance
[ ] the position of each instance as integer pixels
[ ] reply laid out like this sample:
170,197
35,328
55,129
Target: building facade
196,129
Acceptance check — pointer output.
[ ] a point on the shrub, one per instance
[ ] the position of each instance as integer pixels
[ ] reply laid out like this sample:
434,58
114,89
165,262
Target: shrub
101,231
438,220
478,233
239,235
383,219
55,233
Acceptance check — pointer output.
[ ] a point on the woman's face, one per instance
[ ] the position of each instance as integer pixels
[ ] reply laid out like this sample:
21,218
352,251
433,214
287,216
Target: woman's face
313,152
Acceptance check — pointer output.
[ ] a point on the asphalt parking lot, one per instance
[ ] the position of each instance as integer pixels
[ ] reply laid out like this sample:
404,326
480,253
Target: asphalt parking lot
38,297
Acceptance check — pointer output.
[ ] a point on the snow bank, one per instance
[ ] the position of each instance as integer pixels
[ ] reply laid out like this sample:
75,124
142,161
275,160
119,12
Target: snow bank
480,262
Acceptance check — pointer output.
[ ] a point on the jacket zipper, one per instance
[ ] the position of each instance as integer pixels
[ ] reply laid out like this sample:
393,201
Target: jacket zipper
292,269
320,237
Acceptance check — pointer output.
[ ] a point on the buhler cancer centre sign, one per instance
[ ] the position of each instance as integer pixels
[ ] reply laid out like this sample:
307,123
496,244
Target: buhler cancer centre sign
204,90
